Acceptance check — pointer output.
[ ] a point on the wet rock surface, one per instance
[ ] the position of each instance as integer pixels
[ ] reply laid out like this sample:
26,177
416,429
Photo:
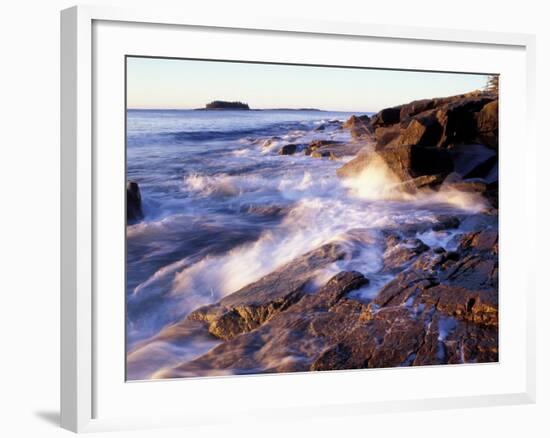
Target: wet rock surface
256,303
440,307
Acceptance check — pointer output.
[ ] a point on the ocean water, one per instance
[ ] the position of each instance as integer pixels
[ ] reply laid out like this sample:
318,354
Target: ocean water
223,208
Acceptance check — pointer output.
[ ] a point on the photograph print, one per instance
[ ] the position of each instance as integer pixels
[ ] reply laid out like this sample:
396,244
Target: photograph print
300,218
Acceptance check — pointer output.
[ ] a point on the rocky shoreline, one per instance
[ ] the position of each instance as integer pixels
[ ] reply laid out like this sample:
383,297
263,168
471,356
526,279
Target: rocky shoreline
440,305
447,142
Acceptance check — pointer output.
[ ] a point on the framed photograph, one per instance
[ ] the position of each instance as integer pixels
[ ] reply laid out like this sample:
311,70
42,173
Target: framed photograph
262,208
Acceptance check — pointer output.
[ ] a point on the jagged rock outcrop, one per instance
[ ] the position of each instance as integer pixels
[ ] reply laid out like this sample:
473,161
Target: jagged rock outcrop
421,131
440,122
415,166
435,137
386,117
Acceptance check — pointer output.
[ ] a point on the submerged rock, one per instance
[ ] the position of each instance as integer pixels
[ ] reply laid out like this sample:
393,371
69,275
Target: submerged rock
270,211
322,154
288,149
333,149
134,211
334,124
317,144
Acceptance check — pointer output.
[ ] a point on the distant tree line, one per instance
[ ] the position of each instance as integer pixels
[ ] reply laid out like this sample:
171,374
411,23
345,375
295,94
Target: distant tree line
492,83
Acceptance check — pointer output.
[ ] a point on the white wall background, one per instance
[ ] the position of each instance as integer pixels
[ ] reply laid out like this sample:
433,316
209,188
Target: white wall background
29,215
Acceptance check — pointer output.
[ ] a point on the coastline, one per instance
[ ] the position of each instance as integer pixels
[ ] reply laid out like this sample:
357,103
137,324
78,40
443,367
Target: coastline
439,303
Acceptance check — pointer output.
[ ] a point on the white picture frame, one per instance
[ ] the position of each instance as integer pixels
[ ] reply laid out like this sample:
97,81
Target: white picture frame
81,339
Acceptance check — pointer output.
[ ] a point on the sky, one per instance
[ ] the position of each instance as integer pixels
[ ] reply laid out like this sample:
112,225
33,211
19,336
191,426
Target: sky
187,84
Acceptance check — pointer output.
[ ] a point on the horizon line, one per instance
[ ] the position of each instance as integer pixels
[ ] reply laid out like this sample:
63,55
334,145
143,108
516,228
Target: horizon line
250,109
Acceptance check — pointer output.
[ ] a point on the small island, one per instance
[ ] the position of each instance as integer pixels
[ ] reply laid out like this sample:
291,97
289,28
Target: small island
224,105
